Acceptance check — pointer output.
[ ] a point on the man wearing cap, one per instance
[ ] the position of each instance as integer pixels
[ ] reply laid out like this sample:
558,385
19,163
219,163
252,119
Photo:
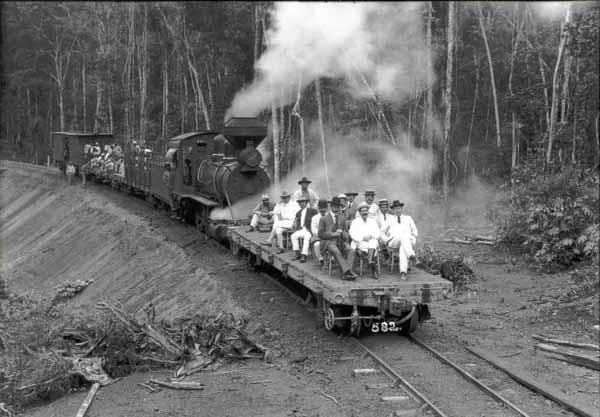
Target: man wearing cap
402,235
314,229
306,192
365,236
332,234
373,212
262,214
352,206
283,214
302,224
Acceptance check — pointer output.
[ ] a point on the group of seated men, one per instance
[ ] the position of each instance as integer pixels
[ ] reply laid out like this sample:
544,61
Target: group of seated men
109,160
339,226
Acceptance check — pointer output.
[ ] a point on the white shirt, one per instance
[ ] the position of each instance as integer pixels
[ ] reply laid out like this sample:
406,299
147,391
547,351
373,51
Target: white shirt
360,228
314,224
310,194
285,213
404,226
385,221
302,218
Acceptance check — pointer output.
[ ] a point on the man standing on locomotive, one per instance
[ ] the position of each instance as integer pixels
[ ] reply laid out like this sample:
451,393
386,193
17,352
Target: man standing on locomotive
373,212
304,191
402,235
332,232
284,214
365,236
262,214
302,224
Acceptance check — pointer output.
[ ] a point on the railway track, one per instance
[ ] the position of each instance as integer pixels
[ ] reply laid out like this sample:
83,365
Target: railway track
455,383
5,164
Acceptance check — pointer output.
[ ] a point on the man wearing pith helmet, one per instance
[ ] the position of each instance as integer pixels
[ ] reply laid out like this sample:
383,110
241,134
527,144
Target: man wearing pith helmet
373,212
304,191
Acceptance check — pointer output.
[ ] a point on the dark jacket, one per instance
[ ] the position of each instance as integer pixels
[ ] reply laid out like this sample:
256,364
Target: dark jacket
327,228
310,212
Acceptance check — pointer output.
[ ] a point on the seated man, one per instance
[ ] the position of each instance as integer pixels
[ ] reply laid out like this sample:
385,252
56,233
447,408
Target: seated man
284,214
402,235
365,236
384,220
332,233
262,214
314,229
302,229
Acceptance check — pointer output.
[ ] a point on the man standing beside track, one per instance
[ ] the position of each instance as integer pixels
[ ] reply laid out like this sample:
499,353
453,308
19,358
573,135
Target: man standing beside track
70,172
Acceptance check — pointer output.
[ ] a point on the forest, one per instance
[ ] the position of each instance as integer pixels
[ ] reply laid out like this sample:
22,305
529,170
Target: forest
507,92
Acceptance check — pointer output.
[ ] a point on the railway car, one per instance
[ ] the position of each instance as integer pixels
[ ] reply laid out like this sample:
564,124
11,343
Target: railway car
69,146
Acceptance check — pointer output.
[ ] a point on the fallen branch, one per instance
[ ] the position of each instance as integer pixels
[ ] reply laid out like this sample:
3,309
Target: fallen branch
179,385
88,400
330,397
571,356
148,387
587,346
268,381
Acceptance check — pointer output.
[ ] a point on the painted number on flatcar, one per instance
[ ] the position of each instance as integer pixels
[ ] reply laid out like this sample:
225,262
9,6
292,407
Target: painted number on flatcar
384,327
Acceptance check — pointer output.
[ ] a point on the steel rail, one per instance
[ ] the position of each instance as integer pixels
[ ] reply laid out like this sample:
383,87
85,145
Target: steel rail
412,390
468,376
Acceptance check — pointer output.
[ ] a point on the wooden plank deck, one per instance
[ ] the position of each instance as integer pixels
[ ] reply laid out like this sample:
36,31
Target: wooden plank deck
419,286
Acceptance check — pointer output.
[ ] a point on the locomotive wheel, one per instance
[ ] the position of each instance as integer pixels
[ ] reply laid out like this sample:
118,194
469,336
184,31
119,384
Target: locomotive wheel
328,319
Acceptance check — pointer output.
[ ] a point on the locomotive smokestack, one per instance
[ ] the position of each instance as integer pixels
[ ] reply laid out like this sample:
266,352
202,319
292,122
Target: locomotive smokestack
241,130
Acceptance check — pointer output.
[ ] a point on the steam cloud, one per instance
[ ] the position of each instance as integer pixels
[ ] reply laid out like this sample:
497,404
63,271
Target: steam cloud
381,41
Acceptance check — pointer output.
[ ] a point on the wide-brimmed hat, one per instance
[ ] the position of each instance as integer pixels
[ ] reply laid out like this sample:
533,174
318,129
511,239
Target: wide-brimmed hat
285,194
322,203
335,201
369,192
304,180
302,198
383,201
351,194
265,197
362,206
343,196
396,203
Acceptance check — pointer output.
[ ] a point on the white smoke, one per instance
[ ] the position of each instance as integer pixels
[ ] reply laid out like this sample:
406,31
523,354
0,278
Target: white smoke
382,42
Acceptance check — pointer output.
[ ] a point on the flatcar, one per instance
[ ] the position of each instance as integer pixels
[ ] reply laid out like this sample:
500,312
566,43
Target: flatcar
70,146
198,172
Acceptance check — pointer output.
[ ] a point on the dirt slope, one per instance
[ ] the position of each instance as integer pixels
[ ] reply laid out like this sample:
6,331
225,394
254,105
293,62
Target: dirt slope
52,233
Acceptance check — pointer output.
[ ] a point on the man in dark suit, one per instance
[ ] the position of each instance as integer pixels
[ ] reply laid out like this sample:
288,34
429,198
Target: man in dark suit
302,229
334,235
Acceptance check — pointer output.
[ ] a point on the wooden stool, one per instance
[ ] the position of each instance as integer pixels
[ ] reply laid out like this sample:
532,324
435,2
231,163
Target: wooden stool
363,257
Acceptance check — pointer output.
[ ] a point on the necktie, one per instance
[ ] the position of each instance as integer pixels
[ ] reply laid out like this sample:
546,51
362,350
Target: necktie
384,216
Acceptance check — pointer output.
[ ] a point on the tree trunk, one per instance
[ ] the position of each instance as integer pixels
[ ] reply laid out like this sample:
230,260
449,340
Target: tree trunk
211,99
257,40
516,33
428,116
322,132
468,151
553,109
567,71
448,105
545,88
492,78
274,116
111,124
331,114
75,120
165,95
98,105
296,113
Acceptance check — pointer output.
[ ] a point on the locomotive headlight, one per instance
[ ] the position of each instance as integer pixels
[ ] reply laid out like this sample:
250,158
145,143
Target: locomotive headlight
251,157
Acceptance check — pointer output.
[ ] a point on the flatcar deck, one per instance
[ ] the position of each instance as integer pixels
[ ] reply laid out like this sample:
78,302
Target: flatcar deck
420,286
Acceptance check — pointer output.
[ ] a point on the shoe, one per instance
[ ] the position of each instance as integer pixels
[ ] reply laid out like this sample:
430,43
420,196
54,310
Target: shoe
303,259
403,276
279,251
412,258
251,229
266,243
374,272
296,255
348,276
321,262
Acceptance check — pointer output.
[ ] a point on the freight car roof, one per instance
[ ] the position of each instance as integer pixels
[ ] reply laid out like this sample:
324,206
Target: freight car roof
82,134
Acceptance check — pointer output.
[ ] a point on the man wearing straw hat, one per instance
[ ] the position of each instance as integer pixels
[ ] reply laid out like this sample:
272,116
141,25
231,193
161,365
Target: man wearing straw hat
373,212
365,236
284,214
262,214
304,191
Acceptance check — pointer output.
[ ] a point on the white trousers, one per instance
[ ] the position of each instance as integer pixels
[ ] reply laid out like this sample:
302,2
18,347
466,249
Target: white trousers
262,220
305,235
317,250
365,245
277,231
404,244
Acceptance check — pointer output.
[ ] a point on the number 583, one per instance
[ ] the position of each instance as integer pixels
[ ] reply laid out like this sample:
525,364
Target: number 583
384,327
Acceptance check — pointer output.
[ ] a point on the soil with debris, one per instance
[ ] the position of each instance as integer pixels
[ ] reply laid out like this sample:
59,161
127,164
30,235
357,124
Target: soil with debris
137,256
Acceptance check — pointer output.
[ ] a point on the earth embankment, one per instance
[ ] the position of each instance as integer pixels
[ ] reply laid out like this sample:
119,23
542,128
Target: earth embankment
52,233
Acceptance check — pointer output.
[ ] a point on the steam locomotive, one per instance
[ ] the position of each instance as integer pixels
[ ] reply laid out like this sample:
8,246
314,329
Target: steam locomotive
198,172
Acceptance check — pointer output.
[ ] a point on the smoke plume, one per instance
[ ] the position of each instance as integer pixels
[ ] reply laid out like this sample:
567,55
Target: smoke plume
378,46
